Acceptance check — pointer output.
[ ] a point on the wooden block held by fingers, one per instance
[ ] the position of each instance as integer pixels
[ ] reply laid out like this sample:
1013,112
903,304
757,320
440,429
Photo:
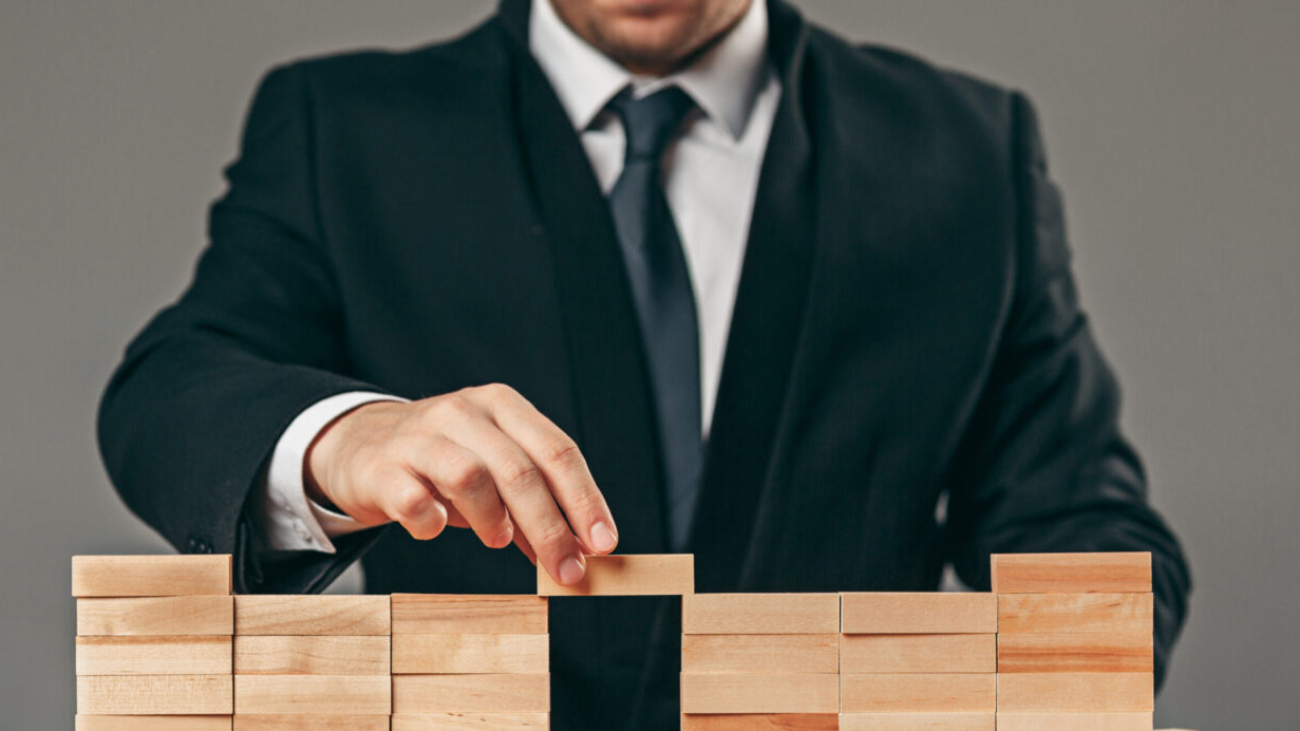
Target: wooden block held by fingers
1072,573
358,695
1092,652
151,723
888,613
1076,693
138,576
760,614
790,654
1057,613
312,615
471,722
157,616
506,614
310,722
920,693
155,695
487,693
153,656
918,653
630,575
312,655
920,722
760,722
1075,722
758,693
464,654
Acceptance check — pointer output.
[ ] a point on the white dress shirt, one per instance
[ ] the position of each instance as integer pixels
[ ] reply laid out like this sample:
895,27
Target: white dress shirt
710,179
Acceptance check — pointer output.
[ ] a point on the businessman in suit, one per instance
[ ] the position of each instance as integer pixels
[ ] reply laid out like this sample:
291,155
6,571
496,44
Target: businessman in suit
654,275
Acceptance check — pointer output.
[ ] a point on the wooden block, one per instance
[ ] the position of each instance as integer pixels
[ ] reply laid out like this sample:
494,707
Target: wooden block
641,575
758,693
294,722
464,654
152,723
919,722
153,656
760,614
358,695
308,655
918,653
1075,722
760,722
1072,573
1057,613
312,615
471,722
426,614
161,616
918,613
154,695
1076,693
1093,652
790,654
121,576
919,693
491,693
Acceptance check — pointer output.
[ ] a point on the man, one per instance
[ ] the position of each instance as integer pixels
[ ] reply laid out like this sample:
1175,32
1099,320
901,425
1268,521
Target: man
677,275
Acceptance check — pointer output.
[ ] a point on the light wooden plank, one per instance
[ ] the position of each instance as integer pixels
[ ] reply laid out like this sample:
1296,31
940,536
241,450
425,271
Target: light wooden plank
889,613
920,722
760,654
312,615
760,722
309,722
157,616
637,575
425,614
359,695
1076,693
138,576
481,693
1075,722
151,723
471,722
918,653
312,655
155,695
758,693
1093,652
1072,573
153,656
1056,613
760,614
919,693
462,654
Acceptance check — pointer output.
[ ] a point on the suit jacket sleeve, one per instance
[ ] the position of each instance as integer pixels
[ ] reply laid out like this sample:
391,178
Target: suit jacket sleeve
1044,467
205,390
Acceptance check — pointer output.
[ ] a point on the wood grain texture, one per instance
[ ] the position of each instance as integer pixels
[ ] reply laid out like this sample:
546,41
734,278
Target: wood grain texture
312,615
887,613
157,616
310,722
1093,652
1076,693
1056,613
482,693
312,655
920,722
153,656
359,695
1072,573
462,654
760,722
471,722
918,653
760,654
155,695
1075,722
668,574
758,693
139,576
425,614
919,693
151,723
760,614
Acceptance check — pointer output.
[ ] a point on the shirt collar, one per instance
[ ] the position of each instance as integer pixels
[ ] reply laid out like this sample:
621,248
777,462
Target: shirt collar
724,82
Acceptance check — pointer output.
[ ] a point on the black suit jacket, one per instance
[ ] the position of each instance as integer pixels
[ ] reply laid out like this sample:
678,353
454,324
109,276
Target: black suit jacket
909,379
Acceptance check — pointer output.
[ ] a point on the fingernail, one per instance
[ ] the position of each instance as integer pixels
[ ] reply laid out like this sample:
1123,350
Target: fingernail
571,571
602,538
506,536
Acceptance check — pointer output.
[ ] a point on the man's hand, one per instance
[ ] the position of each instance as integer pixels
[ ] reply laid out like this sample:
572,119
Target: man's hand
482,458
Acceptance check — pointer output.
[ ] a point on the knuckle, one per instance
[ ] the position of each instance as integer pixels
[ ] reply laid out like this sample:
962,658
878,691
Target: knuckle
553,535
465,475
563,453
587,502
412,501
519,473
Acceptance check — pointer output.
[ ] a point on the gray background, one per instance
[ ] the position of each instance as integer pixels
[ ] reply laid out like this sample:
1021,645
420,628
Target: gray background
1171,125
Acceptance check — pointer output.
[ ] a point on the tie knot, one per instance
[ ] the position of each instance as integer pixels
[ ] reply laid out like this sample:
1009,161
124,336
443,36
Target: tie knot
649,123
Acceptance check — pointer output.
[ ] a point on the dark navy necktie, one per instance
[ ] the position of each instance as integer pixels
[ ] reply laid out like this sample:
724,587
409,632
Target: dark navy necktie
661,285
